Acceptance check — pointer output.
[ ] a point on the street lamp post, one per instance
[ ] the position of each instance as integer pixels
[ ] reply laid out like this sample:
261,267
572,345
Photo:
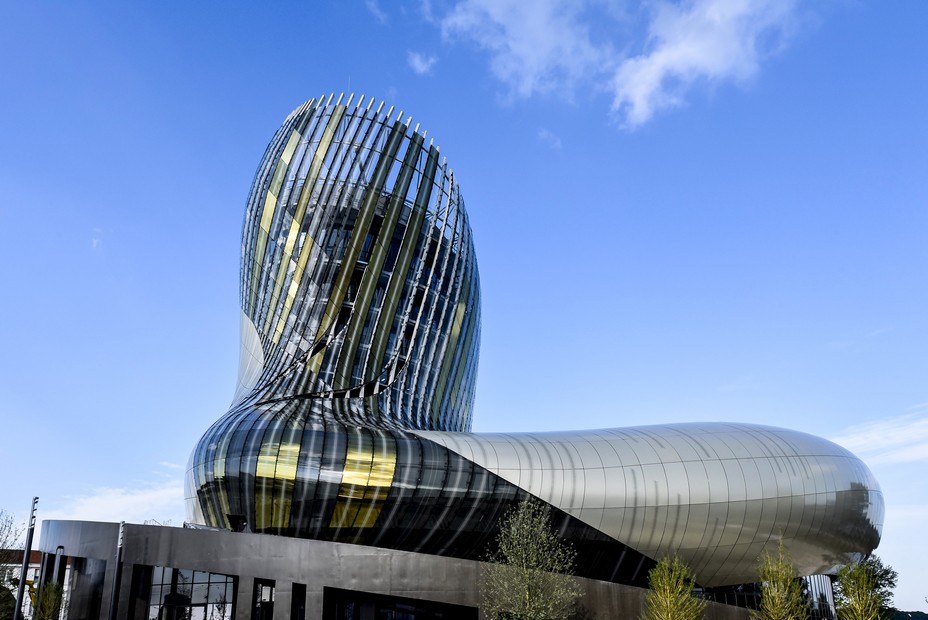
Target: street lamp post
27,551
117,574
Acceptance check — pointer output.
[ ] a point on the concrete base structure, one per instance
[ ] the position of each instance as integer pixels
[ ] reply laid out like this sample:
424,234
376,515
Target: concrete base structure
296,579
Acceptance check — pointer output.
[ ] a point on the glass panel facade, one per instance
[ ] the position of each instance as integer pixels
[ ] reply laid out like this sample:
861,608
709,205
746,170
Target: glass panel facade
391,488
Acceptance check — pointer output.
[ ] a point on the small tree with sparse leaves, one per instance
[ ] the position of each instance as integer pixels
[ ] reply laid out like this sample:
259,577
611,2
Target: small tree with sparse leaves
864,591
781,595
11,543
528,576
670,593
11,555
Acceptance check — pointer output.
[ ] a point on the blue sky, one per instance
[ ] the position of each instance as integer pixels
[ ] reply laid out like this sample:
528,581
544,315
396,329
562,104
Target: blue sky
699,210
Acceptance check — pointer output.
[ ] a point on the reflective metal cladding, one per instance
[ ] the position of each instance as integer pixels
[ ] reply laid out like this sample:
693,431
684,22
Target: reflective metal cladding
360,320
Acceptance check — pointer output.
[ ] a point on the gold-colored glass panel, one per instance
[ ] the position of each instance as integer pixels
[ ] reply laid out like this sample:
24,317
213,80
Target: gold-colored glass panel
264,508
267,465
283,492
267,214
359,233
344,514
292,289
450,349
366,483
297,222
286,461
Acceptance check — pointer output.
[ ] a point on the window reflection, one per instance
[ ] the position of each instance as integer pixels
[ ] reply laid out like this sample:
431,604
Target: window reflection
181,594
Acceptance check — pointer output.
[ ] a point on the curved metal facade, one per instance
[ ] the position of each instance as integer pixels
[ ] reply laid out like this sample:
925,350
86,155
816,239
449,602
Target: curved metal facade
717,494
359,279
360,336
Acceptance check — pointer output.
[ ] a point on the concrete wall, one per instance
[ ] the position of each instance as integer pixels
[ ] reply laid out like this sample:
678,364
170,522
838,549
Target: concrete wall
315,564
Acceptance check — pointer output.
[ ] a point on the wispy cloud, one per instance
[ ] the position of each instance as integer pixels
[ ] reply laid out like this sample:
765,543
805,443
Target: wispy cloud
163,501
899,439
535,47
420,63
549,45
425,9
376,11
546,136
700,40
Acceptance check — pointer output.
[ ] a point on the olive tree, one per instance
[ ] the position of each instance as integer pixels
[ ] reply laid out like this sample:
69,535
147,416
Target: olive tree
781,596
528,576
670,593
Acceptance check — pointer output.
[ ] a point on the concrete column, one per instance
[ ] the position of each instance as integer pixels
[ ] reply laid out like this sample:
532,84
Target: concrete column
314,601
244,598
283,591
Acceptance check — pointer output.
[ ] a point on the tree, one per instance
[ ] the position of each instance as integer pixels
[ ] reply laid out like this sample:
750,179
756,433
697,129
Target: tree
864,591
7,604
670,593
49,602
11,534
886,579
528,578
781,589
11,556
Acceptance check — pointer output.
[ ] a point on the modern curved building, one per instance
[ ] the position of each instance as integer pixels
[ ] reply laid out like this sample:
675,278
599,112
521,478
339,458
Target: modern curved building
344,481
360,337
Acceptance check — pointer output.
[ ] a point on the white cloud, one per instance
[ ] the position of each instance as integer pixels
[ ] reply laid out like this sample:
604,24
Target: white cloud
545,136
548,46
711,40
899,439
376,11
420,63
425,8
535,47
163,501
